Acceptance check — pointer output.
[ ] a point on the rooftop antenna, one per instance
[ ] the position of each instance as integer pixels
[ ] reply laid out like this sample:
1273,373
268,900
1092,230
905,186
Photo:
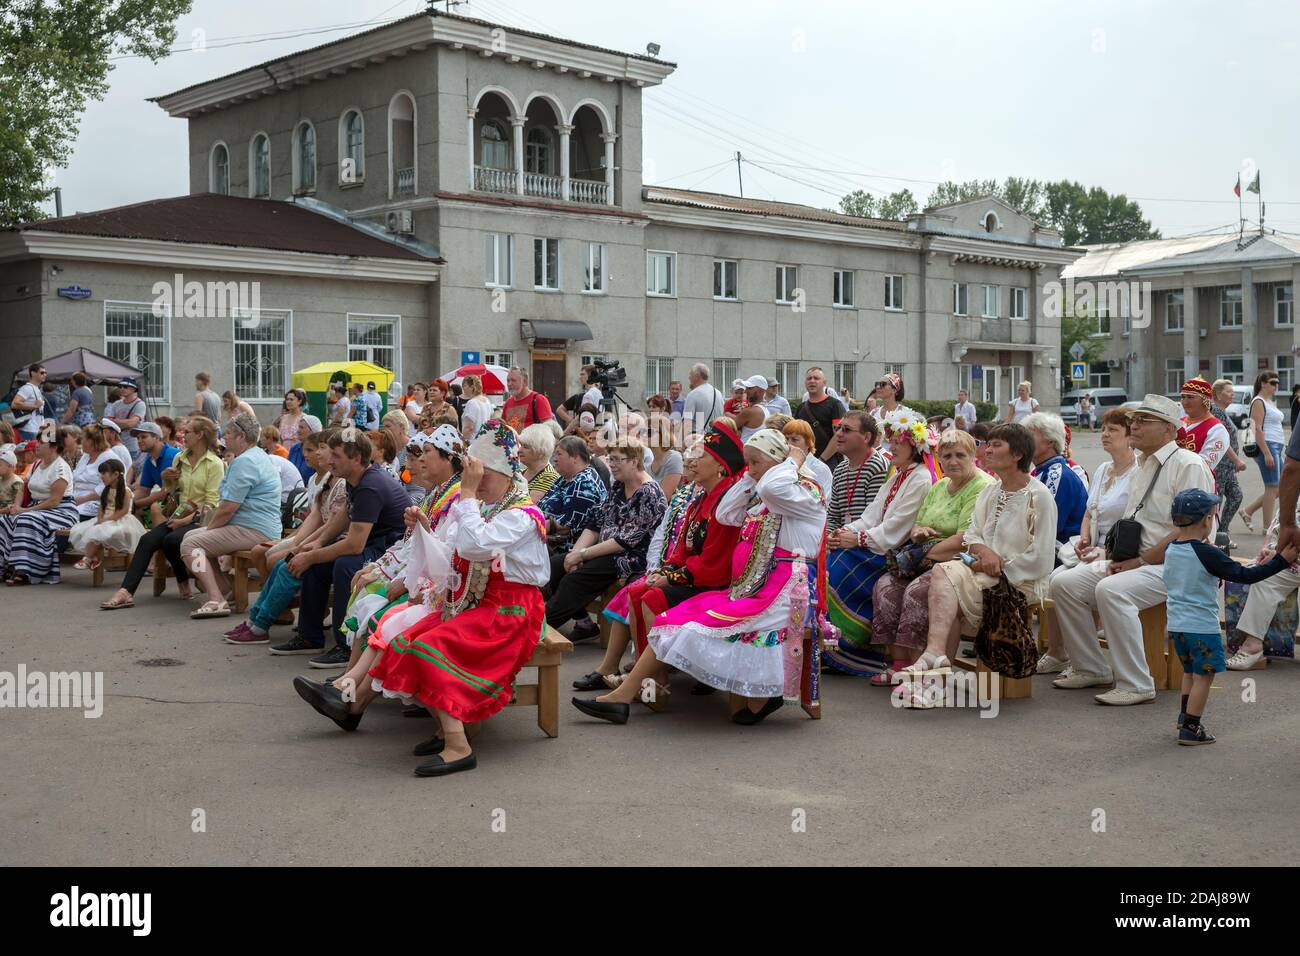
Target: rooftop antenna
740,179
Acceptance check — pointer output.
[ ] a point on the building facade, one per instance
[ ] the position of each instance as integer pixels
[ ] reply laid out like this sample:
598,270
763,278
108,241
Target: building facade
517,157
1218,306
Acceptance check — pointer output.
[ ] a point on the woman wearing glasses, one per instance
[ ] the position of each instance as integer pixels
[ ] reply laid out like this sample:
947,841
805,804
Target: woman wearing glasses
1266,419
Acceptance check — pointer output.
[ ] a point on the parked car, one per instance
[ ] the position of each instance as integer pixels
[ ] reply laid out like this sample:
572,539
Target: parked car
1102,399
1239,410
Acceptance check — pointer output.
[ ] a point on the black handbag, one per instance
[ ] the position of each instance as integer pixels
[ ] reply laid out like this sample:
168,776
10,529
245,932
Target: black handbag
1124,539
911,560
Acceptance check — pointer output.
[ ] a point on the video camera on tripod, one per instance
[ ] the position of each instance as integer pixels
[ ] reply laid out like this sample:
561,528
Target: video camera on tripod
610,376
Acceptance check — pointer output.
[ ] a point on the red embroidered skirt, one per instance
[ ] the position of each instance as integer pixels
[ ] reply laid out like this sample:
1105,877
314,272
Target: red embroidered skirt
467,665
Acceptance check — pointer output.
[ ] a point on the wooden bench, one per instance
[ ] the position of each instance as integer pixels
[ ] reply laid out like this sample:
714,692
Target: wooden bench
545,694
109,560
242,582
597,607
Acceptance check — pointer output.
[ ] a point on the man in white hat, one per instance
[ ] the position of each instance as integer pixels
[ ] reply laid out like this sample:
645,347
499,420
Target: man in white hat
1120,589
752,416
775,402
113,435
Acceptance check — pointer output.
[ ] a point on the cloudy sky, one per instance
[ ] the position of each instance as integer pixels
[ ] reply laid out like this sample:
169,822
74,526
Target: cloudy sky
1164,100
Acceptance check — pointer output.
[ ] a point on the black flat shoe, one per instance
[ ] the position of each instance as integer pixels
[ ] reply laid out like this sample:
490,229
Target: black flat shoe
415,710
747,718
592,681
327,701
584,631
437,767
430,747
702,689
605,710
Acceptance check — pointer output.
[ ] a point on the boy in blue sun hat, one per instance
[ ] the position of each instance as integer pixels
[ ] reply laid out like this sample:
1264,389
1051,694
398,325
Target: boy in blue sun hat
1192,571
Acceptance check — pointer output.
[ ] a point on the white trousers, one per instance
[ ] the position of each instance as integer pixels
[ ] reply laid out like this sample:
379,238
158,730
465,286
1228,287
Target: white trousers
1118,598
1262,602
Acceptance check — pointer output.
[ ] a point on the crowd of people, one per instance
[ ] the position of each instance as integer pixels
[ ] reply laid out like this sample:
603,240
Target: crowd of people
425,549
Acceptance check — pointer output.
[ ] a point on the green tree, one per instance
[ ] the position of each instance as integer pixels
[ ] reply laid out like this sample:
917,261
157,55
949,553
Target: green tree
898,205
54,59
1078,326
859,203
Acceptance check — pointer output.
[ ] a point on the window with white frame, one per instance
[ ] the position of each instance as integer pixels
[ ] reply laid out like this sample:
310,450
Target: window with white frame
1103,317
494,146
1174,313
1230,309
352,148
894,293
134,335
1019,303
842,288
846,378
505,359
499,256
1283,307
538,151
219,175
726,273
1232,367
376,339
725,371
593,267
304,158
787,281
661,273
262,359
787,373
1285,365
546,263
990,310
259,167
1173,376
658,373
960,298
1098,375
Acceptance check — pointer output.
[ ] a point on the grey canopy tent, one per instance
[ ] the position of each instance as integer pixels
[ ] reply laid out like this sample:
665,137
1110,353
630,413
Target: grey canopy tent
100,369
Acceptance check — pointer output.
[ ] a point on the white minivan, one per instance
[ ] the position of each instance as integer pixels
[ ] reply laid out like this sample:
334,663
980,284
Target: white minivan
1102,400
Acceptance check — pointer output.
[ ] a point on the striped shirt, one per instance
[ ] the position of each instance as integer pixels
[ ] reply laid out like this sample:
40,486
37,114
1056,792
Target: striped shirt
853,488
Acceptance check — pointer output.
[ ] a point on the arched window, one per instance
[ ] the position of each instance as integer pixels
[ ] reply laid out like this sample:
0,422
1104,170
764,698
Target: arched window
259,167
352,148
494,146
991,222
538,152
304,158
401,146
219,174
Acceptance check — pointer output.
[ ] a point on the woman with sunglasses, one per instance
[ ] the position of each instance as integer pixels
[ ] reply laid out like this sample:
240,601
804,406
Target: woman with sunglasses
1266,420
888,393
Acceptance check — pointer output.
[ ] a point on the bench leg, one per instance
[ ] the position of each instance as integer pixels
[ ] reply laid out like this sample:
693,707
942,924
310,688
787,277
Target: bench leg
160,571
239,574
548,700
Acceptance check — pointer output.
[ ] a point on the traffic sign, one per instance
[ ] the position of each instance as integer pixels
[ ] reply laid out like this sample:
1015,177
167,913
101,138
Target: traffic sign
470,358
1078,371
1077,351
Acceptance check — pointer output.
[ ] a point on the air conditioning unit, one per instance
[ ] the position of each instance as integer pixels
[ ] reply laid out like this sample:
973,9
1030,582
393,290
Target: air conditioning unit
1113,363
400,222
1201,333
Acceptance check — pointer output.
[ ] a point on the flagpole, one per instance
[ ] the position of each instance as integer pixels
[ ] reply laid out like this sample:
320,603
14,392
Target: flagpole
1241,222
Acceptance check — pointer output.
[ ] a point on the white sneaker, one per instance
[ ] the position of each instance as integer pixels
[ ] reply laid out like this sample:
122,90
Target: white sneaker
1047,664
1123,698
1078,680
1241,661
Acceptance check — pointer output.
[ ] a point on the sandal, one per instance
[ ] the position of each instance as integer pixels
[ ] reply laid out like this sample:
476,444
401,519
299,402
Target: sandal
87,564
17,581
1242,661
211,609
1245,519
112,604
929,663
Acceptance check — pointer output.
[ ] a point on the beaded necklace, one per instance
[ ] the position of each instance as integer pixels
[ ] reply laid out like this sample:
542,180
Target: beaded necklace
475,574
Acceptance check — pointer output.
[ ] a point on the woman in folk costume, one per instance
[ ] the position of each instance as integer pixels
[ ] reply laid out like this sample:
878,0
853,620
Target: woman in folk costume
736,640
461,657
435,463
662,544
1201,431
699,561
856,554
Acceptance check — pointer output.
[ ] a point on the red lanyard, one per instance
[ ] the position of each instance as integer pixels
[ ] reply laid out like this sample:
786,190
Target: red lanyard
853,488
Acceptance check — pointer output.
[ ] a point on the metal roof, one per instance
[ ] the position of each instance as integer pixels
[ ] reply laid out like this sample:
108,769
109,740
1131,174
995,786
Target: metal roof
1112,258
762,207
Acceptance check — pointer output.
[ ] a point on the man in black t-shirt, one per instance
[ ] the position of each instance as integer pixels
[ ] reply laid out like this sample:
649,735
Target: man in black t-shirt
376,508
822,412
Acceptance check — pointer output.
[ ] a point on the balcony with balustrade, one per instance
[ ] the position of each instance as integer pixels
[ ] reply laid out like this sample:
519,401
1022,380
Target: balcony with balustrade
538,155
406,181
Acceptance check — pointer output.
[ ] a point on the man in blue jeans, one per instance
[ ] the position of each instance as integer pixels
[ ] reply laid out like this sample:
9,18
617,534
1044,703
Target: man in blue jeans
377,505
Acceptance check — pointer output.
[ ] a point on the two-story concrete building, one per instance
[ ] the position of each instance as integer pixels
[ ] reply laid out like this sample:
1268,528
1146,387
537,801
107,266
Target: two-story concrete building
1221,306
509,164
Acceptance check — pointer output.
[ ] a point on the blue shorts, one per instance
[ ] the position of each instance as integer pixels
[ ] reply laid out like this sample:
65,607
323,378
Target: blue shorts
1272,475
1201,654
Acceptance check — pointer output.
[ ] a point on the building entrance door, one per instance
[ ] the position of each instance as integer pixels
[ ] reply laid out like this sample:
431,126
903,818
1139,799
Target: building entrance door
548,376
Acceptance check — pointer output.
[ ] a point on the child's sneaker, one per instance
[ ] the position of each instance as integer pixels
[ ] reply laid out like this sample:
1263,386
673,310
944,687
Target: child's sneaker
1191,737
1182,719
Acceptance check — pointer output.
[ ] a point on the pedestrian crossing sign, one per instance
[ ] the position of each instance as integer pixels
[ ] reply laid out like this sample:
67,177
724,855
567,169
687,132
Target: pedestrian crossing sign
1079,371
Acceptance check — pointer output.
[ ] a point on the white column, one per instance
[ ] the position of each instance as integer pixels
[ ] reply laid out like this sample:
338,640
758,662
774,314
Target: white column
1191,330
609,139
564,130
469,141
517,124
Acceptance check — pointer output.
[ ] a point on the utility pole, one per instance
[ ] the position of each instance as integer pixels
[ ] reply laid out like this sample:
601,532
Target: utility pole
739,177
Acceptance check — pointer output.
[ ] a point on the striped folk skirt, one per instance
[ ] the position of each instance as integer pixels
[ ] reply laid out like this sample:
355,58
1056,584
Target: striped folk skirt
27,541
851,575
